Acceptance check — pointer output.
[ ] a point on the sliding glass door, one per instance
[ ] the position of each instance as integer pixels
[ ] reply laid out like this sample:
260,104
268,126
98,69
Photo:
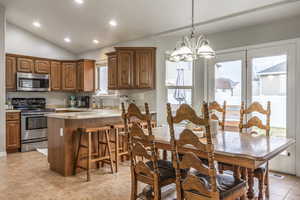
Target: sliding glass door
259,74
227,83
271,77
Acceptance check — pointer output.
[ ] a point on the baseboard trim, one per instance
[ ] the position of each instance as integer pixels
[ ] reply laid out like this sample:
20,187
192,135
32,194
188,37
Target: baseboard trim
2,154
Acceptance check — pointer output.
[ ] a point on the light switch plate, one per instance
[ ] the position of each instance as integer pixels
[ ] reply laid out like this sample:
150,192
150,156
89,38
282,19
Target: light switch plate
61,132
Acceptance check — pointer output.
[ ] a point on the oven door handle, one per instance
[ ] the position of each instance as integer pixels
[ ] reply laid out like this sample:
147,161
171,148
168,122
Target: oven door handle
32,115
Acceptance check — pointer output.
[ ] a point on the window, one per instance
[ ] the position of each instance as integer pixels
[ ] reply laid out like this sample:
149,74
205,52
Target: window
269,78
101,79
179,83
228,83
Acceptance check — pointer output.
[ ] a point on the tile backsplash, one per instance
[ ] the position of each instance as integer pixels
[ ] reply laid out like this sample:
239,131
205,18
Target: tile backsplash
111,100
52,98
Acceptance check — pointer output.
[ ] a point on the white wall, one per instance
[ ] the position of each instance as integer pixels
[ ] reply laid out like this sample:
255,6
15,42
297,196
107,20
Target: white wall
20,41
2,81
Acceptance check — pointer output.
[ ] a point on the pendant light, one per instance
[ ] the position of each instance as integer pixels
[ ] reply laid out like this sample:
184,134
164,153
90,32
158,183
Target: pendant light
190,47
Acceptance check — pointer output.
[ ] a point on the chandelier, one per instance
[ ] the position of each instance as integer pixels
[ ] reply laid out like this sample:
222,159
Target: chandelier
191,47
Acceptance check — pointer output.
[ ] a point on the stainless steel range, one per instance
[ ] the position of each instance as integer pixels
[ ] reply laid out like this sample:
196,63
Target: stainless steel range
34,132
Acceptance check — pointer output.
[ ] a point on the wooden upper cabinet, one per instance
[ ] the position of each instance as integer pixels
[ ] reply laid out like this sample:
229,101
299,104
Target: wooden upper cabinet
42,67
86,76
10,73
25,65
131,68
145,68
112,71
69,76
56,76
80,76
125,69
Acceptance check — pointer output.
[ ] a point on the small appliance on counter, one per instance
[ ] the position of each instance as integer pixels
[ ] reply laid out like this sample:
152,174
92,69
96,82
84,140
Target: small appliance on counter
79,101
85,101
72,101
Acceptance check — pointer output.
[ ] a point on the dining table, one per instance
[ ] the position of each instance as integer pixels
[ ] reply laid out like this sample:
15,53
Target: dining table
248,151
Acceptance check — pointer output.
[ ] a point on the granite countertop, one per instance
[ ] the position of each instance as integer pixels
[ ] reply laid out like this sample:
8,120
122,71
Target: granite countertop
12,110
86,114
89,114
74,109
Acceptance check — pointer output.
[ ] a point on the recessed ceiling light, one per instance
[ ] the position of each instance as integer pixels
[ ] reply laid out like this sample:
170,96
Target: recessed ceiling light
36,24
113,23
79,1
68,40
96,41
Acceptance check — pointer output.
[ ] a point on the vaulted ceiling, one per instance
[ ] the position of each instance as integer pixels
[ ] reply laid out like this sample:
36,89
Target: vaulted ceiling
83,23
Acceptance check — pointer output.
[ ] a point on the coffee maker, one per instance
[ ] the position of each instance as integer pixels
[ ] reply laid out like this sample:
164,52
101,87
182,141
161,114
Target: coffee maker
85,101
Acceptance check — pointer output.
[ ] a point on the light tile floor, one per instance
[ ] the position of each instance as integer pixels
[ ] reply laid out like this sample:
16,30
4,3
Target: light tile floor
26,176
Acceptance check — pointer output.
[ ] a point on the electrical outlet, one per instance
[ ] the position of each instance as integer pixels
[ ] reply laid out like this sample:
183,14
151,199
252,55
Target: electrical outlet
61,132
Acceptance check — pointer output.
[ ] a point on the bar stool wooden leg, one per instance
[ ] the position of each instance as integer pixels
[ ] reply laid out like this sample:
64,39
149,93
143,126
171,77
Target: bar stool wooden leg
77,155
89,156
99,150
103,149
109,150
117,150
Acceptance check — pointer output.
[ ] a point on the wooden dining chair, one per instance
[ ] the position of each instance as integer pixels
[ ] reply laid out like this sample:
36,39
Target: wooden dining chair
261,173
214,108
196,180
145,164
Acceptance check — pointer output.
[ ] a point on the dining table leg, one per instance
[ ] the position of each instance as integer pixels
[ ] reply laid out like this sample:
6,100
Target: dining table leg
250,192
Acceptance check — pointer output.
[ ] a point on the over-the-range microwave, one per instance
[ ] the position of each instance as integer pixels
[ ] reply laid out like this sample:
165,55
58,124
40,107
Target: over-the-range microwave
33,82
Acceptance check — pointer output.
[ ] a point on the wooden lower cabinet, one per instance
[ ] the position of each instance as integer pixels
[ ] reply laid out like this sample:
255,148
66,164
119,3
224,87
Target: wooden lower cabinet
13,132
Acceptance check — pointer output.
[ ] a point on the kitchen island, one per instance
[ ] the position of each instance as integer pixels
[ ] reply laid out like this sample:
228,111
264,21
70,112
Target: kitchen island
63,138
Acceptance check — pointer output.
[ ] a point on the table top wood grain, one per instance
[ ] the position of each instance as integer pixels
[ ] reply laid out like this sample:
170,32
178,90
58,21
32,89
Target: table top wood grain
234,147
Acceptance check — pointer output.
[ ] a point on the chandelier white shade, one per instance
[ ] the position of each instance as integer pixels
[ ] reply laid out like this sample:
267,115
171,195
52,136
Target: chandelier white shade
191,47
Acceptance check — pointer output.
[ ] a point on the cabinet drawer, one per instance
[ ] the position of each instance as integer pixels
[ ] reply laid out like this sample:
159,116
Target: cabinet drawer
12,116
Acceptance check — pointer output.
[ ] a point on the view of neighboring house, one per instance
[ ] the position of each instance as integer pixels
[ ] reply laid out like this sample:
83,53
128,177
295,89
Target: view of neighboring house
272,81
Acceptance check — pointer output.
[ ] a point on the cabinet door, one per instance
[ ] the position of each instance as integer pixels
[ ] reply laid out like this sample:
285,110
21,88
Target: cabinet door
125,69
25,65
10,73
112,72
42,67
12,135
55,76
145,66
69,76
80,76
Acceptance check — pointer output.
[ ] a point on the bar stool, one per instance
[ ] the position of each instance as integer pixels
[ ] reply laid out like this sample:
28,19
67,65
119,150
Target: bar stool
120,142
98,156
